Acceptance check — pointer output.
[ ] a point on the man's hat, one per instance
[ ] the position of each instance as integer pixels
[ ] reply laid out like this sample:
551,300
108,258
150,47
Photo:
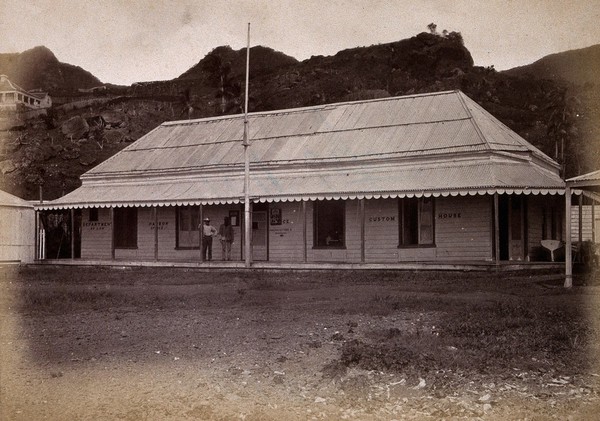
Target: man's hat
206,220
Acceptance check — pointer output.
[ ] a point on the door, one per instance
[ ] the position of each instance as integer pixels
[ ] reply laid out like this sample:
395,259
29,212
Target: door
503,227
260,231
516,235
512,224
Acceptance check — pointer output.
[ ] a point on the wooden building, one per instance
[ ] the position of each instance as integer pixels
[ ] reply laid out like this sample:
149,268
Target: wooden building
17,229
430,178
586,186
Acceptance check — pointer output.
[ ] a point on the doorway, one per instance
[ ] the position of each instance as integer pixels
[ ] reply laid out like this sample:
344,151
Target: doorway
260,232
512,223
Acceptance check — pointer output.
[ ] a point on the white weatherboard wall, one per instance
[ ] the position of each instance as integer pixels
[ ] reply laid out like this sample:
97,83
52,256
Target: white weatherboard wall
463,228
17,234
286,241
586,222
96,236
381,230
462,231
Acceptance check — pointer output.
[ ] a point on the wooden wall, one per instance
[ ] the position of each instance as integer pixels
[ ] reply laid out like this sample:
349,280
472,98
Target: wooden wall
286,241
96,236
464,228
381,231
464,231
586,222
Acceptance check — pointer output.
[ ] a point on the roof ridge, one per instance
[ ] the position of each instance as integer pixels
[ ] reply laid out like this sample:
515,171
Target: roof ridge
594,175
483,139
306,108
518,138
261,138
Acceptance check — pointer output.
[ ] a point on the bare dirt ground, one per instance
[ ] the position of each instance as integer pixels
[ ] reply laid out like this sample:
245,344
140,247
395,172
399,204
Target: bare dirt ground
84,343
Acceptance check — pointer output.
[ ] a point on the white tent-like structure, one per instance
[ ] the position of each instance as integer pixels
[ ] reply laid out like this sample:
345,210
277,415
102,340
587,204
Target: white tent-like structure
17,229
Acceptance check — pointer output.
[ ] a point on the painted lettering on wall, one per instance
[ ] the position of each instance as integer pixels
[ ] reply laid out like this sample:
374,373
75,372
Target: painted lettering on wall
382,218
96,226
281,231
161,225
448,215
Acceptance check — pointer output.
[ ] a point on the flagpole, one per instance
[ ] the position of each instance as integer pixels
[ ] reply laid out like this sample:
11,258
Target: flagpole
246,143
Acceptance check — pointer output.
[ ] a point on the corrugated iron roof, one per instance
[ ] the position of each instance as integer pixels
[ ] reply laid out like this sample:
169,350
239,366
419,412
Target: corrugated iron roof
592,176
409,126
437,143
459,178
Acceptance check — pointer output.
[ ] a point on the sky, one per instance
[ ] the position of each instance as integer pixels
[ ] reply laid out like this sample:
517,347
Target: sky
126,41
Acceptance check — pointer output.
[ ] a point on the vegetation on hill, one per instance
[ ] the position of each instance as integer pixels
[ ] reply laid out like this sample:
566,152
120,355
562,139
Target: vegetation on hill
562,118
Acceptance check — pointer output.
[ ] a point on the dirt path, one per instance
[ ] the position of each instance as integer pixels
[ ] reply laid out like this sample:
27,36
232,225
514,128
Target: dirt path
98,344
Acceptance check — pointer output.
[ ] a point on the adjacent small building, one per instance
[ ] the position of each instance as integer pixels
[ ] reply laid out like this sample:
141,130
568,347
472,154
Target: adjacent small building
17,229
431,178
15,98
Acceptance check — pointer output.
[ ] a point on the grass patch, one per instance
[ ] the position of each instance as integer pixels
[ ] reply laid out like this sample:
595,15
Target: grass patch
482,337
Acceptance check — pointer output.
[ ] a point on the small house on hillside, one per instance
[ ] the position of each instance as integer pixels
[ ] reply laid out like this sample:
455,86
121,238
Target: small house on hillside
17,229
13,97
430,178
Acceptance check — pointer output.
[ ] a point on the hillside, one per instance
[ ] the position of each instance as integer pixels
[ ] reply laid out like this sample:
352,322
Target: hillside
38,68
578,67
562,120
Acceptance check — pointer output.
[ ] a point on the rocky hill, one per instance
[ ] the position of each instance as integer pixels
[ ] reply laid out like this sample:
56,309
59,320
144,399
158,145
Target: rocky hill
230,63
561,119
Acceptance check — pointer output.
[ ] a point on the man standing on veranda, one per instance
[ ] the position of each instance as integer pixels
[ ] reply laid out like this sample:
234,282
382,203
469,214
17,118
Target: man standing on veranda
208,232
226,236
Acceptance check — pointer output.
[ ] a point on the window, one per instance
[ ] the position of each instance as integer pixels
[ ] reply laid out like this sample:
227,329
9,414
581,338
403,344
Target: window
416,221
93,213
125,227
329,224
234,218
188,235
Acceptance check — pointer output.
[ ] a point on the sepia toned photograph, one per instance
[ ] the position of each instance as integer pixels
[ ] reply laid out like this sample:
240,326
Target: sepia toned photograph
274,210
